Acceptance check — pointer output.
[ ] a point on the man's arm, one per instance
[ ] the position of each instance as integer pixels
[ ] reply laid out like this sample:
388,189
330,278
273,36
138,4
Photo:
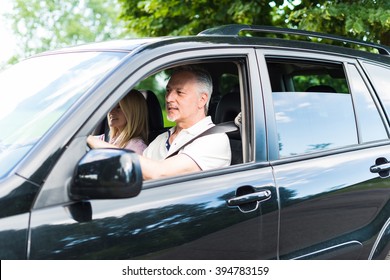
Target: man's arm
205,153
176,165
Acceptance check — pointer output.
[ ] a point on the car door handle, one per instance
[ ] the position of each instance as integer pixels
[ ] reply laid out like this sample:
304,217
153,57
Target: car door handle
248,198
382,167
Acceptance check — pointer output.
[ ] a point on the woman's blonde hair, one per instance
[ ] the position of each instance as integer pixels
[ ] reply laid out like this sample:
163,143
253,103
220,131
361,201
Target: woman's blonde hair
135,109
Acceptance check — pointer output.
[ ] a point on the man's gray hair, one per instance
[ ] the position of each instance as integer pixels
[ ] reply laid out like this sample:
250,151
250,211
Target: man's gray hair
203,77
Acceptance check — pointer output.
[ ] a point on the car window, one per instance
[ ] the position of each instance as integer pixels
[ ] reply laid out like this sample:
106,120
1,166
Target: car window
313,106
157,83
38,91
224,104
225,78
379,76
370,124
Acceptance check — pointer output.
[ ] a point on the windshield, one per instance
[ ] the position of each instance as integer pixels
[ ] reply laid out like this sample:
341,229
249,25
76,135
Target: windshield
37,92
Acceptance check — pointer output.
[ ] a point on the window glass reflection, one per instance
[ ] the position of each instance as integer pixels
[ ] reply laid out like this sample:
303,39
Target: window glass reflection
38,91
310,122
370,123
380,77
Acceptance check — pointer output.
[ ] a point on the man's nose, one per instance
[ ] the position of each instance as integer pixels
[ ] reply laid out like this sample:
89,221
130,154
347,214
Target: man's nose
169,96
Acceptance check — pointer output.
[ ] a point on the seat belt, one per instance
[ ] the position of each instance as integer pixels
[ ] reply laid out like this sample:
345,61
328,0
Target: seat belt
218,128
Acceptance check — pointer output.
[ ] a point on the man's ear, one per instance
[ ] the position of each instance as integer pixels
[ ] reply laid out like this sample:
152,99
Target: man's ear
203,100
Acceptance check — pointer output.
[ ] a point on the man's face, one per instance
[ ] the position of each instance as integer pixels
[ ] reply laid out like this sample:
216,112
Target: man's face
184,104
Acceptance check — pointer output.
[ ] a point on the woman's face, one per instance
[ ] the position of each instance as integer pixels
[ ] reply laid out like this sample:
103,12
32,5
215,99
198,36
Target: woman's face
116,118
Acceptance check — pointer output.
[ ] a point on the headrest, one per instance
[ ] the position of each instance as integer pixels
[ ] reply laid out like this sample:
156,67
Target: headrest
156,121
228,107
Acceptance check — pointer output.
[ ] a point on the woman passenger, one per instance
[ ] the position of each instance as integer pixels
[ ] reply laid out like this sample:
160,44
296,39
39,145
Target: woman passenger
128,122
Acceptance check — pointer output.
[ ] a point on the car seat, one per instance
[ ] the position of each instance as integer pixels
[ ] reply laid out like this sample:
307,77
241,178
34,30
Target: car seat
156,122
227,109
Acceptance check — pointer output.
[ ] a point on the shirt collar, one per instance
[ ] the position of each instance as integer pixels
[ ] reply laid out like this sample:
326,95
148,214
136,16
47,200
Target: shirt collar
200,126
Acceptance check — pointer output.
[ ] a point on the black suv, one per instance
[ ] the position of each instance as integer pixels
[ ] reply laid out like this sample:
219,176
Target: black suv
309,177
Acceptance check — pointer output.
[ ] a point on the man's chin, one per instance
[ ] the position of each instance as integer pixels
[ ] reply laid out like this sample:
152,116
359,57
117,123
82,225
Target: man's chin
171,118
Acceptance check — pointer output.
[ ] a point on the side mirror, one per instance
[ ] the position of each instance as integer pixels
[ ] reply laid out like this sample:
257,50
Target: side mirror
107,174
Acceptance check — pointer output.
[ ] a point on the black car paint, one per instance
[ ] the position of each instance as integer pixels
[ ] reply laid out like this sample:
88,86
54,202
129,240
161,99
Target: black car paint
339,210
169,222
175,219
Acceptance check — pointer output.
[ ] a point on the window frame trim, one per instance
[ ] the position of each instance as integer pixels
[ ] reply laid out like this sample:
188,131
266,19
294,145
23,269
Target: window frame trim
271,125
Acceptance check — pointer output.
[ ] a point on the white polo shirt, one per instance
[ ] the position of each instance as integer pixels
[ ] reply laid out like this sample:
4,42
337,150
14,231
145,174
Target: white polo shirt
209,152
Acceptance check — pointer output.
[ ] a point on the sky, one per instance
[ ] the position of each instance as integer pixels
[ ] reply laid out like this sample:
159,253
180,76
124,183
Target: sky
7,45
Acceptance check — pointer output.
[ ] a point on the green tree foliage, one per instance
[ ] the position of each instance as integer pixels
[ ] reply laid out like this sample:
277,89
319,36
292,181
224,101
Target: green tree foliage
48,24
362,19
367,20
188,17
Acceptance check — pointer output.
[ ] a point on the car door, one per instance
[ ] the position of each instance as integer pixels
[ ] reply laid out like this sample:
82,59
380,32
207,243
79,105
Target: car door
169,221
333,206
198,216
16,198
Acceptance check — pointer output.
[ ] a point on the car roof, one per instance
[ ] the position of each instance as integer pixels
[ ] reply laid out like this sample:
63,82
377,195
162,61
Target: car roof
123,45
